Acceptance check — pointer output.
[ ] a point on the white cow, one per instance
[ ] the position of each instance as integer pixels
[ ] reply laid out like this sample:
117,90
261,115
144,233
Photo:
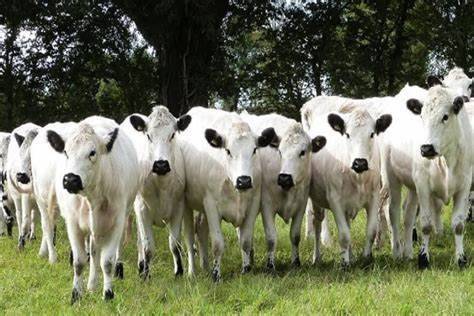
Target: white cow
286,166
6,215
96,183
456,80
44,163
18,173
436,161
346,172
223,179
160,200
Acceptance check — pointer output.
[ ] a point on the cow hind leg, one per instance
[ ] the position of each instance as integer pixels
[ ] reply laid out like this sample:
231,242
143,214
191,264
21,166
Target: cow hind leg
268,219
202,234
319,215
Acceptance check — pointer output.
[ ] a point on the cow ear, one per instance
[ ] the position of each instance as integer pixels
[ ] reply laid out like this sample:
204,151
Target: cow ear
318,143
137,122
432,81
415,106
183,122
32,134
19,139
213,138
337,123
458,104
267,137
382,123
113,136
55,141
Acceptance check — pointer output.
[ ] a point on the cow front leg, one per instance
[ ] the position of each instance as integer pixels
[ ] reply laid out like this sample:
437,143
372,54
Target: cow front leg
76,239
217,239
145,237
173,240
246,235
202,233
295,237
188,224
319,216
426,209
371,227
411,206
94,265
457,223
309,231
47,242
268,219
19,218
344,234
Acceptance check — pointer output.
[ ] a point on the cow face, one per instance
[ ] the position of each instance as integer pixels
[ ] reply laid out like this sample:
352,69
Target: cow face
83,150
359,130
440,123
239,147
23,164
295,149
456,80
160,128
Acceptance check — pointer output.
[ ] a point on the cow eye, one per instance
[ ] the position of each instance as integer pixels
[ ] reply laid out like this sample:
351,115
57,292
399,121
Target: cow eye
148,136
228,152
445,117
172,136
254,150
348,136
372,135
92,154
302,153
65,153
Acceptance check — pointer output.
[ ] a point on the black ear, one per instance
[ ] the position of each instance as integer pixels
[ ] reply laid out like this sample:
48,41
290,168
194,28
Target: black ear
337,123
415,106
183,122
457,104
433,81
113,137
55,141
138,123
318,143
267,137
213,138
382,123
19,139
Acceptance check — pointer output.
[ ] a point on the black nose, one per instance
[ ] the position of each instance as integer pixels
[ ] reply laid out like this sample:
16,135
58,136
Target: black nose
72,183
285,181
428,151
22,178
161,167
244,183
360,165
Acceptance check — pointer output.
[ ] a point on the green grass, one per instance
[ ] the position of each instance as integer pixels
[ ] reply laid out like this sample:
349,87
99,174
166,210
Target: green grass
29,285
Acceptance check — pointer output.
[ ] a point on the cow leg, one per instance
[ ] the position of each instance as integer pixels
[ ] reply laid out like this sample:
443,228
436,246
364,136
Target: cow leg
411,206
145,234
394,215
94,265
47,226
202,233
32,232
326,238
295,237
437,218
309,232
457,223
470,217
19,217
371,227
3,221
217,239
108,253
26,215
119,273
8,219
76,239
319,215
426,207
173,240
188,224
268,219
343,230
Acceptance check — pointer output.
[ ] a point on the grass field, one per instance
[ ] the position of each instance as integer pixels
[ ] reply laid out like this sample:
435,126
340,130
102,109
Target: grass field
29,285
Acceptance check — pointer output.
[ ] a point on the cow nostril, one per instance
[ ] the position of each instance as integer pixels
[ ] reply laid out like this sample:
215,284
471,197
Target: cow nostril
244,183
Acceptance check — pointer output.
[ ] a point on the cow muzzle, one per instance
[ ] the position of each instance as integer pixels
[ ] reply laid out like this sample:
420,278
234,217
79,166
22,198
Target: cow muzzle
243,183
428,151
360,165
285,181
161,167
22,178
72,183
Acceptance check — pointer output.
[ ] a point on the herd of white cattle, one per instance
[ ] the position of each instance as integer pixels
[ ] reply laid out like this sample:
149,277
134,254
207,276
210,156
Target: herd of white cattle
211,165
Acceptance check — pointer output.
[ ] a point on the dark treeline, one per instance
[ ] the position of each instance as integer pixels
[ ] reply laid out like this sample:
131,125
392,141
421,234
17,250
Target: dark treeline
65,60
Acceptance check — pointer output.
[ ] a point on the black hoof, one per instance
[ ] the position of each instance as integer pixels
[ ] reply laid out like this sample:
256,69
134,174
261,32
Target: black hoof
345,266
10,227
367,261
216,276
71,259
119,270
271,266
246,269
462,262
21,242
296,263
469,216
179,271
75,296
88,257
414,235
54,235
143,270
141,267
423,262
108,295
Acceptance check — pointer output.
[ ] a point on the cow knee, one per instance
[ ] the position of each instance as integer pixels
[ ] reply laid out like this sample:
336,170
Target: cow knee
271,244
78,267
458,228
426,229
107,266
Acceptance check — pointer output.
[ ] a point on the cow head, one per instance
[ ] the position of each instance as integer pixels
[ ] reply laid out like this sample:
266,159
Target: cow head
239,146
359,130
439,114
83,150
456,80
295,148
23,164
160,128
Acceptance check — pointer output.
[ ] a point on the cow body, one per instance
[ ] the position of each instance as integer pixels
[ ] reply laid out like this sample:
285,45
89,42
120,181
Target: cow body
160,200
96,183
